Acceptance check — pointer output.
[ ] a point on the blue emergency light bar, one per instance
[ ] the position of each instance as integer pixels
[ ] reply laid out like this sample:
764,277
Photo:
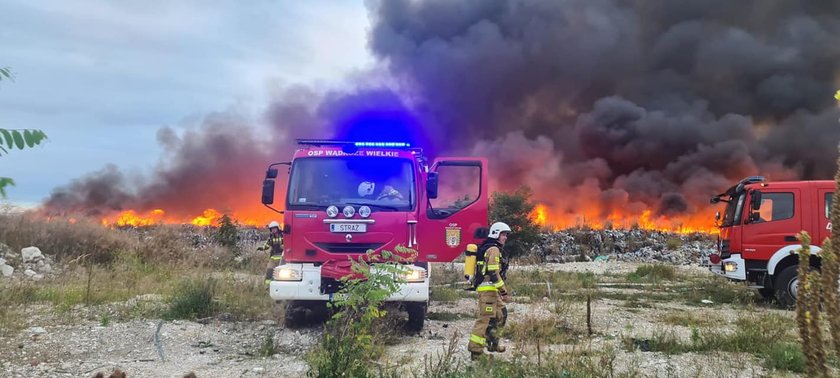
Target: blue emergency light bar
383,144
328,142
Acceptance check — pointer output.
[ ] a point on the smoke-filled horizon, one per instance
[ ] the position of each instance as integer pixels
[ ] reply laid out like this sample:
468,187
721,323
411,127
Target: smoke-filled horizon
617,106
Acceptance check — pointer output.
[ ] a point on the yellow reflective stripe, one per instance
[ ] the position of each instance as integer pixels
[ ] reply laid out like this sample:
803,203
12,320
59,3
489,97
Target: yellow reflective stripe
497,259
276,257
493,267
499,284
478,339
487,288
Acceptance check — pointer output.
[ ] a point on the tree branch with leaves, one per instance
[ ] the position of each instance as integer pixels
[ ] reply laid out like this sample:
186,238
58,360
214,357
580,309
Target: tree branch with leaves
16,138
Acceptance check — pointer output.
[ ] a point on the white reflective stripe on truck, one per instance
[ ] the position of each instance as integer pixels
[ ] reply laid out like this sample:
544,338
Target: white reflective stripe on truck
785,252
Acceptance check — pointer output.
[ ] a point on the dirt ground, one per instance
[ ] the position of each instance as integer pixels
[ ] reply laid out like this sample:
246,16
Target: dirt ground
75,343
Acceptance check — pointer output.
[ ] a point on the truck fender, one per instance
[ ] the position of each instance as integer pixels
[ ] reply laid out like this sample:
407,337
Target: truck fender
785,252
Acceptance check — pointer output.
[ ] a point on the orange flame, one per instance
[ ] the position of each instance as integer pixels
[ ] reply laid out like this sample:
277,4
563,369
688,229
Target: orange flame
539,215
591,218
209,217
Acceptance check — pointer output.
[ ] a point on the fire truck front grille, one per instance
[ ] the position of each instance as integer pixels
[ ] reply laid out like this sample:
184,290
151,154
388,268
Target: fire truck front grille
348,247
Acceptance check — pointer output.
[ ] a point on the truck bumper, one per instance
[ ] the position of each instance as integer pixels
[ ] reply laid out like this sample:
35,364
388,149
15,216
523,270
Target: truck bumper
309,288
739,272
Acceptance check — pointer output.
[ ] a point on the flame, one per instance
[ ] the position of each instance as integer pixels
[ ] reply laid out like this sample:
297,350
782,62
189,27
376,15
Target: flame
208,217
134,219
587,215
592,217
539,215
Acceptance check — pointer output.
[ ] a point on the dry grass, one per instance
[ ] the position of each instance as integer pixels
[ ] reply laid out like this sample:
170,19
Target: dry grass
766,335
104,266
693,319
537,284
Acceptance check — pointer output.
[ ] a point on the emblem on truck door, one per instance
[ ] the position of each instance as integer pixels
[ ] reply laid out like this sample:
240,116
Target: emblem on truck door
348,237
453,236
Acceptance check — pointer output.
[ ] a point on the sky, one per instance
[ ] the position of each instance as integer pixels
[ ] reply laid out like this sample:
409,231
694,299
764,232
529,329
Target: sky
101,77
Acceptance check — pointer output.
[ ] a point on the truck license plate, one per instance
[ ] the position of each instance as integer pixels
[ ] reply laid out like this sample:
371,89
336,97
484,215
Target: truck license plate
348,227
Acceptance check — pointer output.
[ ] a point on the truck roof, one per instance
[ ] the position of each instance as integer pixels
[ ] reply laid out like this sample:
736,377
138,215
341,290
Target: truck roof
793,184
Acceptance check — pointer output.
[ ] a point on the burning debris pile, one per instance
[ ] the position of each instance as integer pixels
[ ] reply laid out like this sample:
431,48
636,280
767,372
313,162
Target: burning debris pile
636,245
198,238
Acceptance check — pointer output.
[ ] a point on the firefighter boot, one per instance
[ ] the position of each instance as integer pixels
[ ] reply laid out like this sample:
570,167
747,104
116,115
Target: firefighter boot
268,275
493,345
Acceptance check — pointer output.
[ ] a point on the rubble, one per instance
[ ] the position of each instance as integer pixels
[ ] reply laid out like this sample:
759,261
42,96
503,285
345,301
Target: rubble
31,255
633,245
33,263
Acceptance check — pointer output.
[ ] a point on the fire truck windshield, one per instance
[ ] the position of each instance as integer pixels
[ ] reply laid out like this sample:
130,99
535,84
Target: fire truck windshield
384,184
732,215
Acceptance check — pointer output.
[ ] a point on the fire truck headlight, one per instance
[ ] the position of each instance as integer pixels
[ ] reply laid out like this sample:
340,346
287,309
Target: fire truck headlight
282,273
364,211
332,211
730,266
349,211
413,274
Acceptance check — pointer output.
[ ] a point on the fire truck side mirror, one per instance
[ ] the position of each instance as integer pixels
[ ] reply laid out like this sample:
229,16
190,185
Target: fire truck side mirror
271,173
268,192
755,200
432,185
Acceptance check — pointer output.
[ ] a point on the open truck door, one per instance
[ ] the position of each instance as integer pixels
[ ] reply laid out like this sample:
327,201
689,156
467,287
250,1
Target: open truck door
456,208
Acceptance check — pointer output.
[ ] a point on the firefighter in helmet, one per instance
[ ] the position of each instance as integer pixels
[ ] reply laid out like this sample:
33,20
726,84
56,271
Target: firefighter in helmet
492,293
274,244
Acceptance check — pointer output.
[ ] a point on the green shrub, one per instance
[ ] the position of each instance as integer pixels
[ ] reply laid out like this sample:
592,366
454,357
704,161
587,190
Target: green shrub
228,234
192,299
267,348
515,209
350,342
785,356
653,273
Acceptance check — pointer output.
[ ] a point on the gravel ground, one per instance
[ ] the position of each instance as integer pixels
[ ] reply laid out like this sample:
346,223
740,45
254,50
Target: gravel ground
60,345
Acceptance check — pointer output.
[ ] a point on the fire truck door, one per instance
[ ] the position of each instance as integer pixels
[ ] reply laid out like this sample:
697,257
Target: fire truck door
452,218
774,225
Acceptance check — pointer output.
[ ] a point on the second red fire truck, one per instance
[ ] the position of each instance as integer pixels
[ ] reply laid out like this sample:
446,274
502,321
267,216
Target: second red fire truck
757,241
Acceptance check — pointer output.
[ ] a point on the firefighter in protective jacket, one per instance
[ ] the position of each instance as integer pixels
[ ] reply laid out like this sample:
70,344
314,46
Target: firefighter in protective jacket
492,293
274,244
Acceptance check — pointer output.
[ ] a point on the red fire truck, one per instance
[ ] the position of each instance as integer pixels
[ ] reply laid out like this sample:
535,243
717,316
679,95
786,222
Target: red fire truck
757,240
345,198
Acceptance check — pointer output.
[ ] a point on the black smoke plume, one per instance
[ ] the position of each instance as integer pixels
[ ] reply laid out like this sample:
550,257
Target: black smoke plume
622,105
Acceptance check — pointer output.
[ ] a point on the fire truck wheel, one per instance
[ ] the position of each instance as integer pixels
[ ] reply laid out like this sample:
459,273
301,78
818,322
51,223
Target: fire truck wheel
303,313
294,314
767,293
786,282
416,315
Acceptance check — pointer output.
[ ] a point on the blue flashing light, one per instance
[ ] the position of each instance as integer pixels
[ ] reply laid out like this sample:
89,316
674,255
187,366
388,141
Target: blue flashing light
383,144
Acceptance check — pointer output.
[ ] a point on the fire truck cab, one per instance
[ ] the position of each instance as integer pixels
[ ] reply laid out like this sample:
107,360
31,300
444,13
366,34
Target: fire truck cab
757,241
346,198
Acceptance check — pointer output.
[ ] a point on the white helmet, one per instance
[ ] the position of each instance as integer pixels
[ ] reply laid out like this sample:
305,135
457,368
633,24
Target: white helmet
366,188
273,224
497,228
